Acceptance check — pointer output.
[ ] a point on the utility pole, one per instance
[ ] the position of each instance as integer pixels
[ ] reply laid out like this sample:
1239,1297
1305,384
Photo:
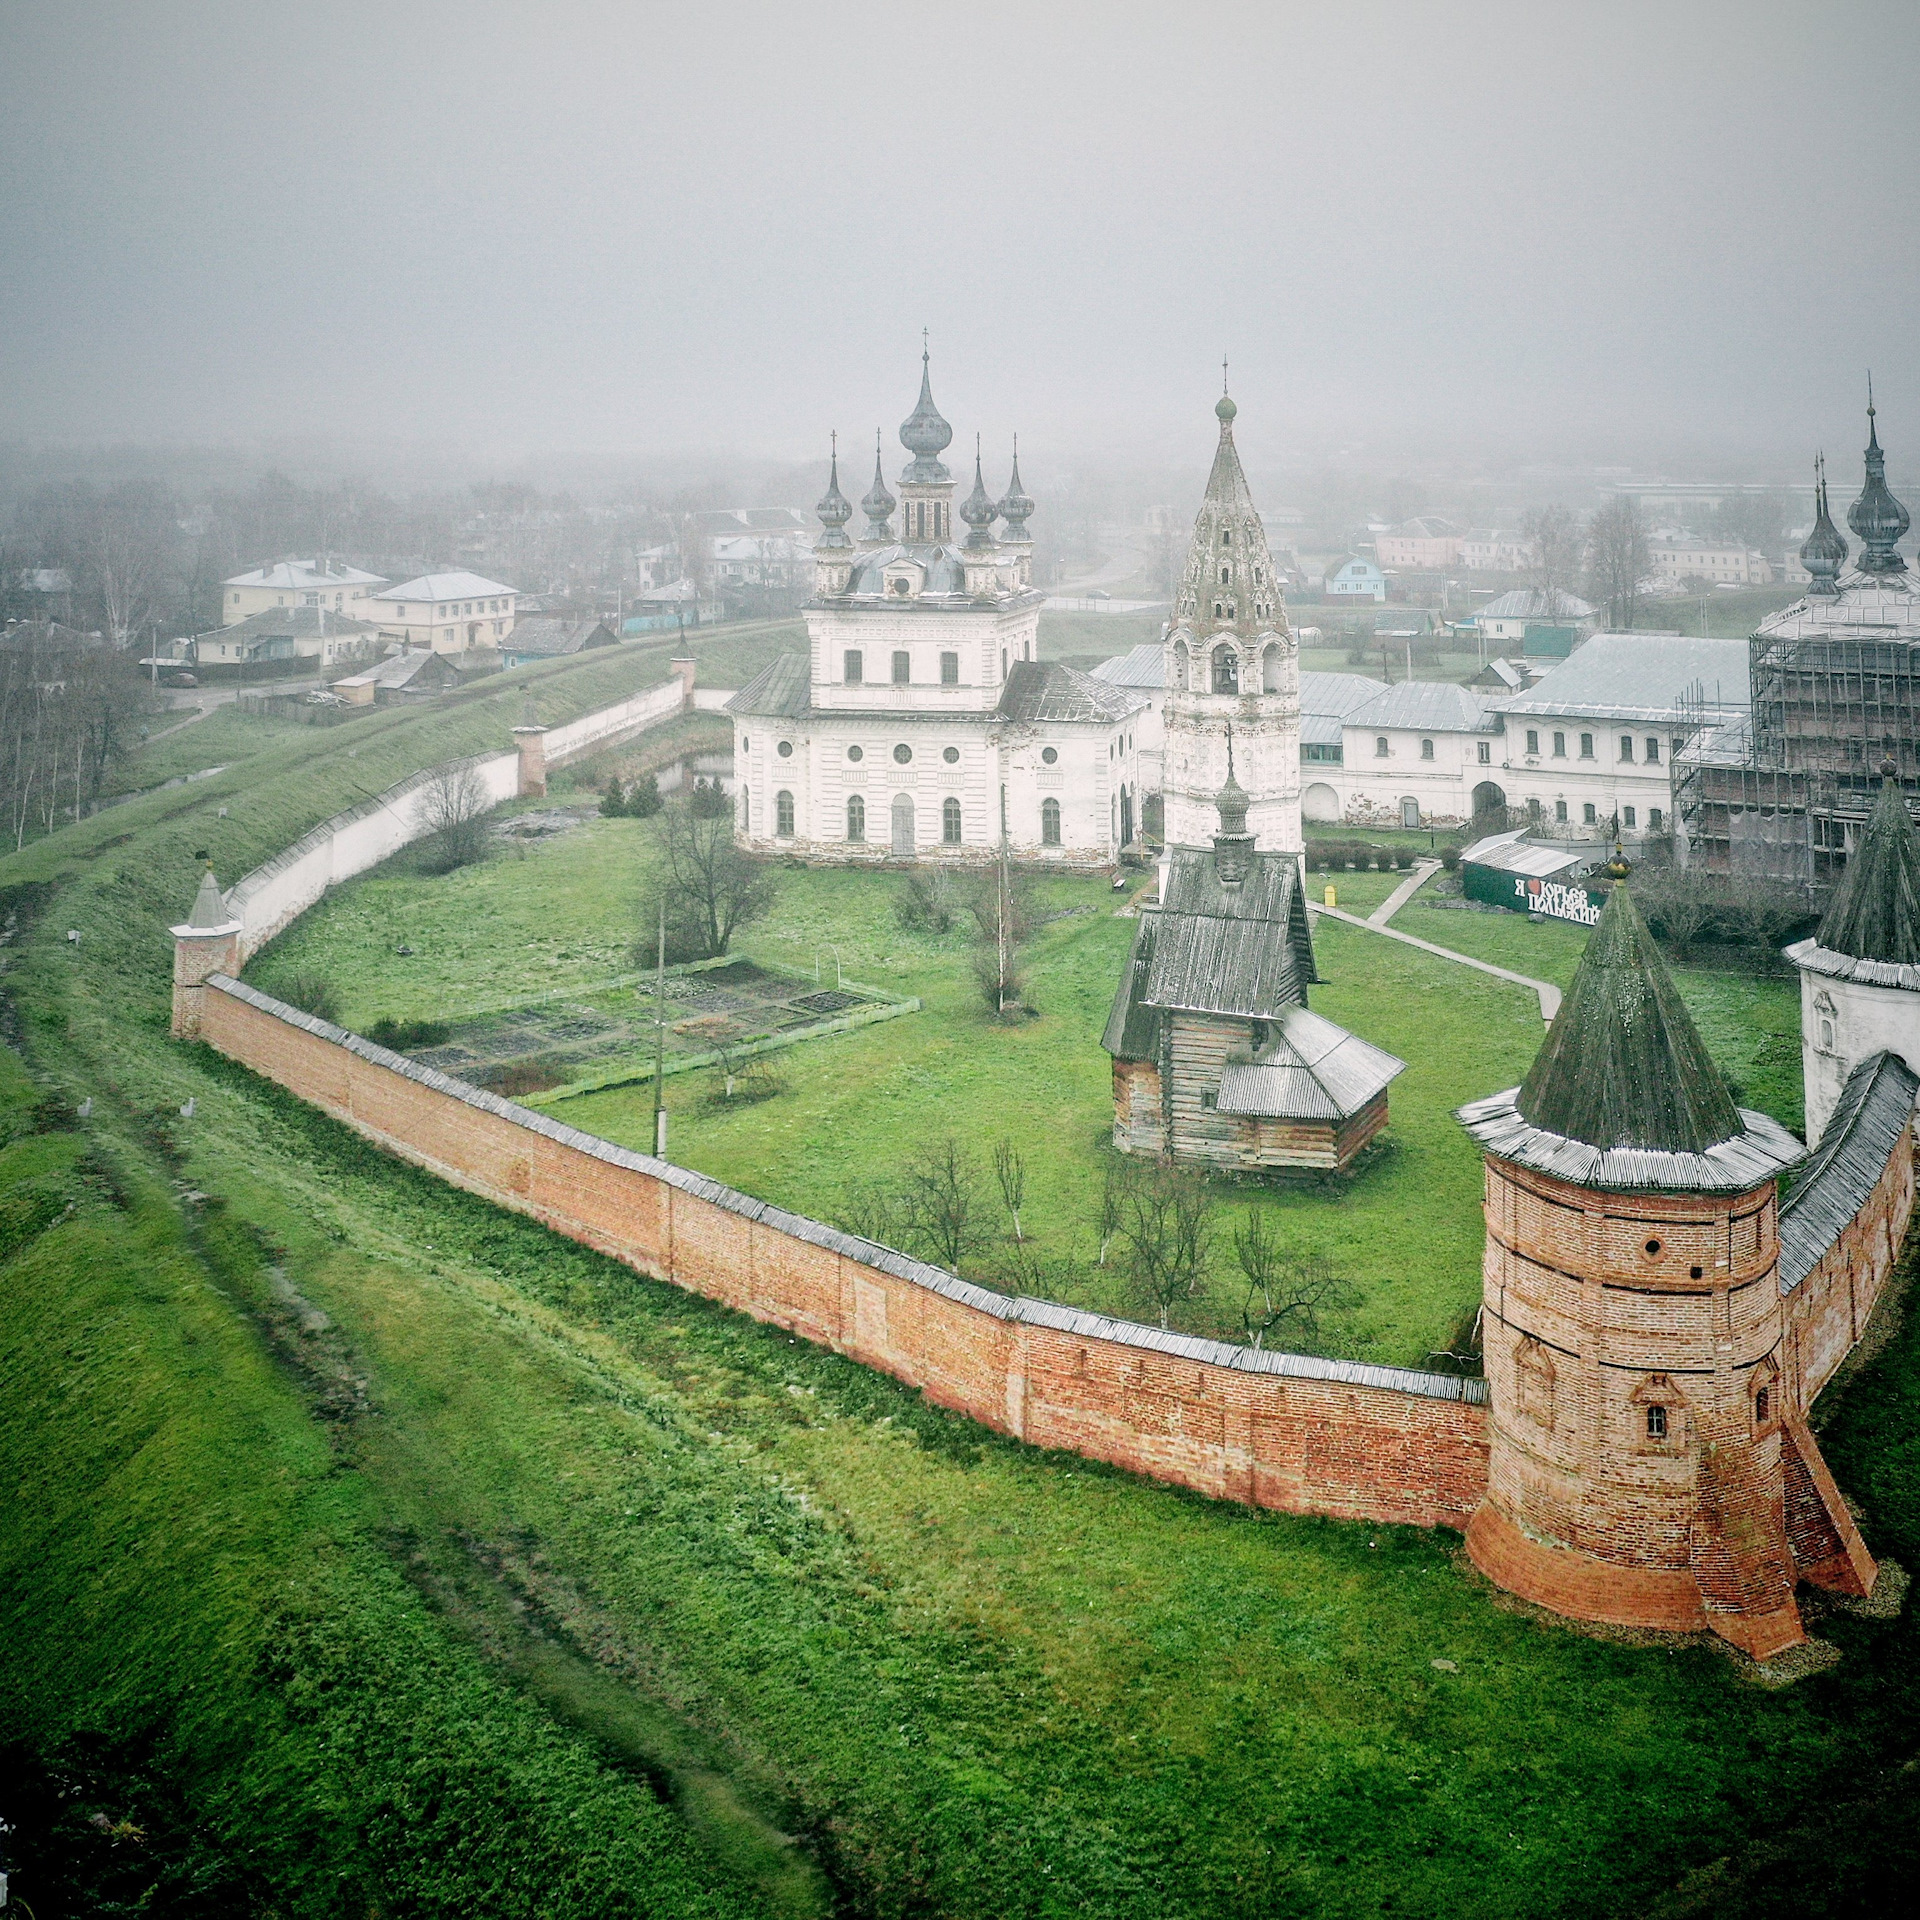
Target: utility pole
660,1042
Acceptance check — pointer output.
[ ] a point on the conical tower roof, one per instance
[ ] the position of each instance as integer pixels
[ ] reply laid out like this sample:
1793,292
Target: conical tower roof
1623,1064
978,509
1229,583
879,504
1875,912
209,904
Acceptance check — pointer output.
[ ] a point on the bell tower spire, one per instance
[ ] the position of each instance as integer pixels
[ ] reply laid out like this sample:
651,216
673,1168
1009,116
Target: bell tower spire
1231,659
1877,517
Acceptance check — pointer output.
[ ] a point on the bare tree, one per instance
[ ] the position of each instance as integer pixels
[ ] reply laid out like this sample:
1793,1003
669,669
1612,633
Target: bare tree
943,1203
1010,1172
1113,1187
1003,918
1166,1232
1554,547
1618,559
1286,1291
712,888
454,804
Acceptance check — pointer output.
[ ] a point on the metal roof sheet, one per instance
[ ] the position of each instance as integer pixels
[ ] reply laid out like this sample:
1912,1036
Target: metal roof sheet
1638,676
445,586
1145,666
1761,1150
1514,853
783,689
1019,1308
1532,603
1133,1028
1867,1126
1811,957
1425,706
1337,693
1048,690
1313,1070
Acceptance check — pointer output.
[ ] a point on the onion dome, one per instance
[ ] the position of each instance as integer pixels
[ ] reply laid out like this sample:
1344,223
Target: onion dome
925,435
1224,410
977,509
879,504
1824,552
1015,506
1233,844
1877,517
834,508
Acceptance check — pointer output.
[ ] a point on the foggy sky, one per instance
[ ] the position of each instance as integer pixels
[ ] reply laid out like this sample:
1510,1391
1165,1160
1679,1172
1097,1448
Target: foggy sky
1639,234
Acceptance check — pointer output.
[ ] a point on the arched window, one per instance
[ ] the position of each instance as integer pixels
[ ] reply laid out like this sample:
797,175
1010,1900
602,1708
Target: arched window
950,821
1226,576
1270,668
1379,746
1226,670
1216,609
1050,823
1426,749
1226,537
1762,1407
856,817
1179,666
783,814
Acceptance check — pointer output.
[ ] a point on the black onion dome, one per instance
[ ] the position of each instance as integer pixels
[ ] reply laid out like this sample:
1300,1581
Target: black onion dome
1824,551
977,509
1015,507
925,434
1877,517
833,508
879,504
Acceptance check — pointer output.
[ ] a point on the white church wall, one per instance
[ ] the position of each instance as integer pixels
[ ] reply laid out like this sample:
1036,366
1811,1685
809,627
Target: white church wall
1843,1022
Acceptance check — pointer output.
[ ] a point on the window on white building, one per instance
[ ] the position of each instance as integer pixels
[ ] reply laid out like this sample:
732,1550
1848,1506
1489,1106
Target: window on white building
1533,741
1485,754
1654,817
1586,746
1559,746
902,669
949,669
1629,817
1653,749
1560,810
1379,746
783,814
851,666
1050,823
950,821
1587,814
1626,746
1426,749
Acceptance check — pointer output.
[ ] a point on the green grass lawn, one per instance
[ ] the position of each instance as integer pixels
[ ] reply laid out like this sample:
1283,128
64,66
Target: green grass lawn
221,737
387,1553
560,917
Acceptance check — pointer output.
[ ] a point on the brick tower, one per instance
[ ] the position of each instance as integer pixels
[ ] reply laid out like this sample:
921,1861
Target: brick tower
1231,662
1647,1463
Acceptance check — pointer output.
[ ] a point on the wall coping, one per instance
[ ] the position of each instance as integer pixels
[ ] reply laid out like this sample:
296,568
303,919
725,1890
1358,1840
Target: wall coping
1869,1122
1014,1308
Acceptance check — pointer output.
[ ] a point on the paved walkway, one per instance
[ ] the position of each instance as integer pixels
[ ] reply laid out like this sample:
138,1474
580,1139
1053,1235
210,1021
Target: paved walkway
1398,898
1548,992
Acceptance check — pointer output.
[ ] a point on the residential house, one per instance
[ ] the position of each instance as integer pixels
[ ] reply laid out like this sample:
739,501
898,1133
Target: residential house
323,582
1495,550
1429,544
1684,556
1508,617
282,639
553,637
1356,578
414,673
447,612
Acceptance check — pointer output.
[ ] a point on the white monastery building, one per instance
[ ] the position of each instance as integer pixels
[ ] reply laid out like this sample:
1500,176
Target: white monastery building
922,723
445,612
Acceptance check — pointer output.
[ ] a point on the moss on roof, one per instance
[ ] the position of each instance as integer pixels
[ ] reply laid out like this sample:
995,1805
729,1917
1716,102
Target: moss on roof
1875,912
1623,1064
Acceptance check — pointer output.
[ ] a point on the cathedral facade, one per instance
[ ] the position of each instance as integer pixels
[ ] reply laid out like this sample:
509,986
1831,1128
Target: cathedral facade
922,723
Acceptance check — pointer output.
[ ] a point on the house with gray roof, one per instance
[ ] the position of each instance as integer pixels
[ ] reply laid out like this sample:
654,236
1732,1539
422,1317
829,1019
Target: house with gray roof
1217,1060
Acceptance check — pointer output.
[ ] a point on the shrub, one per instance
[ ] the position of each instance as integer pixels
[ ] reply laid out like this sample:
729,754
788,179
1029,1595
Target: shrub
454,805
1404,859
312,993
613,803
1450,857
928,900
643,798
709,801
403,1035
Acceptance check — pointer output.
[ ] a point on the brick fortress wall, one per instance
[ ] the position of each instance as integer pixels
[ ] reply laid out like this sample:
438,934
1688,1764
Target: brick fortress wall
1273,1430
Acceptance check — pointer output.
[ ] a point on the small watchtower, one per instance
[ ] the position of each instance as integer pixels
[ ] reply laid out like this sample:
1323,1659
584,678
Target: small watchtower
1860,973
1647,1463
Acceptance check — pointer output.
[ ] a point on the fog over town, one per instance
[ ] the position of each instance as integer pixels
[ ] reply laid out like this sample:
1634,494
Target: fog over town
959,961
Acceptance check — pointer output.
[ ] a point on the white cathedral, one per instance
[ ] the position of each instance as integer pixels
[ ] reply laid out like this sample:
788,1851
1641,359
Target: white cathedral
924,725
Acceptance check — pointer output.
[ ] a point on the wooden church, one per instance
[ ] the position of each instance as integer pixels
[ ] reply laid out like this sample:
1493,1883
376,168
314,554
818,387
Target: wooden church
1217,1061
